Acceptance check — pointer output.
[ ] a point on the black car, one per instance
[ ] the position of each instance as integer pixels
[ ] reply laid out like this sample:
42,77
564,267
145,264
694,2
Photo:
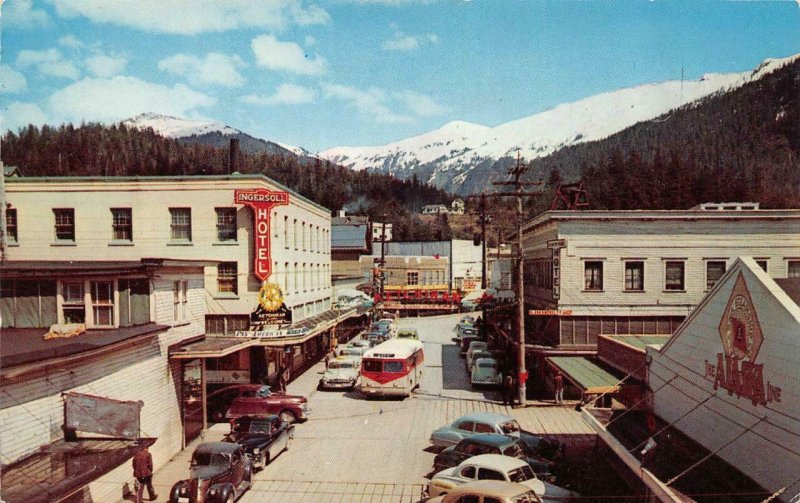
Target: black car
494,443
219,473
262,438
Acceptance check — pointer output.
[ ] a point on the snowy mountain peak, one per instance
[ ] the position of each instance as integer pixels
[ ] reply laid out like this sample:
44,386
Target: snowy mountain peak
175,127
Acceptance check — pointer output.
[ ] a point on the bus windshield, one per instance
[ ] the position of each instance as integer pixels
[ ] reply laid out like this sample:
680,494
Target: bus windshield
373,365
392,366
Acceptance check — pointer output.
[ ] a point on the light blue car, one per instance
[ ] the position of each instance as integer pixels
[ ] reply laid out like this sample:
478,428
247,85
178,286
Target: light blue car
485,373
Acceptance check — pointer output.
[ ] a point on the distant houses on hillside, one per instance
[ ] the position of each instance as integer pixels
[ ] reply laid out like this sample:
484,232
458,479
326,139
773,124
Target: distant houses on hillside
456,207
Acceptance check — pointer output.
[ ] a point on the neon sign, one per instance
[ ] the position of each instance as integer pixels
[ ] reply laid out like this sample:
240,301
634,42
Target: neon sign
261,201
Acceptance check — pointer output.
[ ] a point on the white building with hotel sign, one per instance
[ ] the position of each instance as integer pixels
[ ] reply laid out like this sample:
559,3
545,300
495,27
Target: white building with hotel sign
728,378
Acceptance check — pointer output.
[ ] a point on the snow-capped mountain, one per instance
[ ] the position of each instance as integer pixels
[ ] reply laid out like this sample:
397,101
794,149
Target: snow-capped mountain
445,157
212,133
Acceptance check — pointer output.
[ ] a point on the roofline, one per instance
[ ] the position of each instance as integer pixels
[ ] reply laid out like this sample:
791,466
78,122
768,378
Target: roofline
182,178
665,215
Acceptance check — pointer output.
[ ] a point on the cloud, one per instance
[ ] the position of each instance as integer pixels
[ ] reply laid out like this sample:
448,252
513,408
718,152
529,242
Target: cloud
286,94
108,100
201,16
286,56
21,13
371,103
18,115
71,42
419,104
214,69
11,81
104,66
49,62
400,41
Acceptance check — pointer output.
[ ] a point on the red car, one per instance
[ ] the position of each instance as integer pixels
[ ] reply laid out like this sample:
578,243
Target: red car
240,400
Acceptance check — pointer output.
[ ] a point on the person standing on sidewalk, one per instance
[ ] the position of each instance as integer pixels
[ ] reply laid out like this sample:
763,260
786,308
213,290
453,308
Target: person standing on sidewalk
558,384
143,472
508,390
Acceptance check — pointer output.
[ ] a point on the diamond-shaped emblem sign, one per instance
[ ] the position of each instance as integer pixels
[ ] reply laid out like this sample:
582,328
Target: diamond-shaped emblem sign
739,329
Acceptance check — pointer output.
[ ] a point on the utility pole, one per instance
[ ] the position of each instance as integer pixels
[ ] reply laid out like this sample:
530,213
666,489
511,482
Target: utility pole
484,219
517,171
383,251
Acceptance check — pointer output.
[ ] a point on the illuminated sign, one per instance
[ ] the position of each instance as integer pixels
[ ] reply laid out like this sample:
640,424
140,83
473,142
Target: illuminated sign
740,333
271,310
261,201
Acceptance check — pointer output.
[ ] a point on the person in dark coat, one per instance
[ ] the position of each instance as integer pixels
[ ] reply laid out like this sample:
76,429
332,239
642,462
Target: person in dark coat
143,472
508,390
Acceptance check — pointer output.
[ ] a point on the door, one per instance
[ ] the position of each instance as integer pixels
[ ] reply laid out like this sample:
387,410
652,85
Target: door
192,399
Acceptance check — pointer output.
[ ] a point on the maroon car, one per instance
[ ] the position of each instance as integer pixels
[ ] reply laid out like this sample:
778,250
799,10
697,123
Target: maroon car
256,400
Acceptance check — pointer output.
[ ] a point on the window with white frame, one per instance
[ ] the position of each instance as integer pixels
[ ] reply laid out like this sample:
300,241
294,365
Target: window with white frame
286,277
762,263
304,236
226,225
64,224
102,295
674,275
227,277
180,301
11,225
286,232
412,278
793,269
296,278
593,275
295,234
634,276
73,304
180,224
714,271
121,224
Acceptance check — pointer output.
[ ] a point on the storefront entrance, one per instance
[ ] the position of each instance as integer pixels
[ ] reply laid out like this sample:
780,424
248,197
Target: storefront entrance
192,399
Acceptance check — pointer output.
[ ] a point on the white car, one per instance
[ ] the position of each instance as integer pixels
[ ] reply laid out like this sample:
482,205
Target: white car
342,372
352,352
496,467
485,373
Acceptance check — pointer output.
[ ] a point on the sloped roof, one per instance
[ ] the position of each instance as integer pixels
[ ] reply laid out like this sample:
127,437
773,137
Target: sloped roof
349,237
792,288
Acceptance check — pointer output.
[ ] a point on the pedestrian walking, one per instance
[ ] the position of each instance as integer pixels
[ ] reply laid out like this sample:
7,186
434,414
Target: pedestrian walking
327,359
143,472
508,390
558,384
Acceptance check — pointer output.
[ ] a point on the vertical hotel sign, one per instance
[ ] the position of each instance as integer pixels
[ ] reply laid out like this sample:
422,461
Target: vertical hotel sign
261,201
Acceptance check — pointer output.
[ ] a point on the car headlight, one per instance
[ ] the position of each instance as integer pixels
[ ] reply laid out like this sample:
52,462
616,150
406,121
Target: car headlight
183,490
256,451
213,491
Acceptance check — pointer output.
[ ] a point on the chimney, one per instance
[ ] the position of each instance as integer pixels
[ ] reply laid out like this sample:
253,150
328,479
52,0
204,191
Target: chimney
234,155
341,213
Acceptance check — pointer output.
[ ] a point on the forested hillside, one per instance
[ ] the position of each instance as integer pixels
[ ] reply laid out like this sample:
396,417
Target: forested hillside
117,150
743,145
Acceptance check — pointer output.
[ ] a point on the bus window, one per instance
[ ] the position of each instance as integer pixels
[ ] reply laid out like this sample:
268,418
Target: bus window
372,365
392,366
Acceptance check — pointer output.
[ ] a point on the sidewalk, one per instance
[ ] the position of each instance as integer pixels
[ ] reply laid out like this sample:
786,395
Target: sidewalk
178,467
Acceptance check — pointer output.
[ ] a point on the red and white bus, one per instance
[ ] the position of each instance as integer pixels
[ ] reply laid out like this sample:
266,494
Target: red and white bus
392,368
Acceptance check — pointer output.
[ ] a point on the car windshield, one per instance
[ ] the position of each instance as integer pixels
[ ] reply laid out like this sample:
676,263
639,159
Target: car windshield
514,451
209,459
250,426
527,497
263,392
521,474
510,427
373,365
340,365
487,365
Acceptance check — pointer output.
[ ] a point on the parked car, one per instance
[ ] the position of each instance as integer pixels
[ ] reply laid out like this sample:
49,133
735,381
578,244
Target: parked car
259,400
473,348
483,353
493,443
408,333
463,326
220,472
489,491
492,422
376,338
358,343
485,372
467,318
352,352
496,467
343,372
262,438
389,323
466,340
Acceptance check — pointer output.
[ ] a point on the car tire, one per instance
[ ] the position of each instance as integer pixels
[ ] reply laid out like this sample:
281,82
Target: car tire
288,416
267,459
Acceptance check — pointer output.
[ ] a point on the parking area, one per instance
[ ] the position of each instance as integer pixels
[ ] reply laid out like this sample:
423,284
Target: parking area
357,450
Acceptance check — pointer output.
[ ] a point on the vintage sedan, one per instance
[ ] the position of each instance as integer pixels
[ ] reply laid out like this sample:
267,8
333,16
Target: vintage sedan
220,472
493,443
262,438
408,333
496,467
492,422
489,491
485,372
259,400
473,348
342,372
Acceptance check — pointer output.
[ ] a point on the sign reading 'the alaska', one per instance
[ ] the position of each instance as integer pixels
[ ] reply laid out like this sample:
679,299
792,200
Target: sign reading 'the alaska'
261,201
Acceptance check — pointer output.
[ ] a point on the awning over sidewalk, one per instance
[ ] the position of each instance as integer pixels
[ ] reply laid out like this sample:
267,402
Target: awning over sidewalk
584,374
60,469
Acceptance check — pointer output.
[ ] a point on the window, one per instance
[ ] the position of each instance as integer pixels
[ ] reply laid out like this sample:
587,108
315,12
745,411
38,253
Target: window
483,428
487,474
634,276
392,366
412,278
286,232
593,275
226,224
472,498
466,426
468,472
294,233
285,277
28,303
65,224
794,269
296,280
714,271
305,277
121,224
304,236
180,301
73,305
181,224
134,301
103,303
674,275
762,263
11,225
227,278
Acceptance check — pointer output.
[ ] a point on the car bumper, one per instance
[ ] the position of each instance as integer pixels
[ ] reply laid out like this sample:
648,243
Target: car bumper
384,391
337,385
